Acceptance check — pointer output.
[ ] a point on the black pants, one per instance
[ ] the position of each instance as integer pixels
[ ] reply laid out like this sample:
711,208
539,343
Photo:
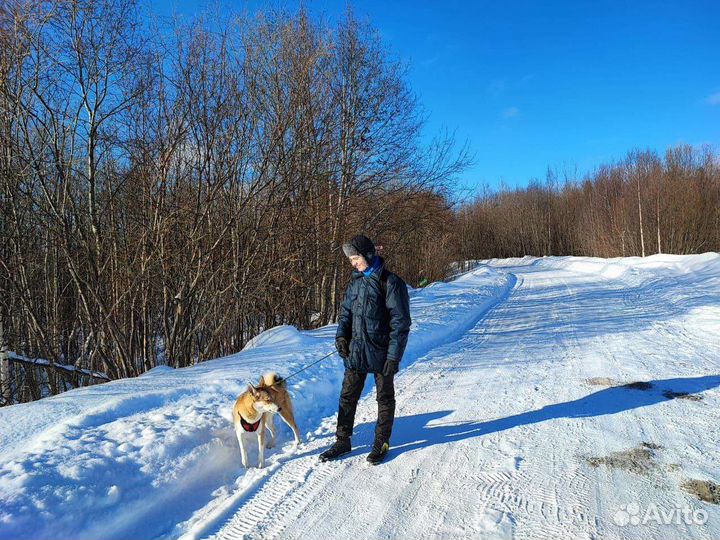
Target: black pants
352,387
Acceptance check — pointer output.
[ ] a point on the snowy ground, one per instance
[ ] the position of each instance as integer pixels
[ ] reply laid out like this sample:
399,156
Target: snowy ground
513,421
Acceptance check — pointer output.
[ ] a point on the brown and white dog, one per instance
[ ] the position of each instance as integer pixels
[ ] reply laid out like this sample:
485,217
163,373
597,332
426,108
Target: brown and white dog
255,410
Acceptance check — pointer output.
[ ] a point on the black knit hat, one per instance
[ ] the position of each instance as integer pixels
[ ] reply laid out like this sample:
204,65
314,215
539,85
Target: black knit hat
360,245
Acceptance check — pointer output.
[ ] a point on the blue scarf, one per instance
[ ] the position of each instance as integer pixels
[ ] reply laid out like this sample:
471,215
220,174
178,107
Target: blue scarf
374,266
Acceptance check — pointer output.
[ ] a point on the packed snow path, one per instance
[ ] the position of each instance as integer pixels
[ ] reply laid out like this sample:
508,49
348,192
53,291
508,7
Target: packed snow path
521,428
540,398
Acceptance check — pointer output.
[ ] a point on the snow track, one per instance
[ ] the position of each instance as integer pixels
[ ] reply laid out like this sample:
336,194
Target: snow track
495,431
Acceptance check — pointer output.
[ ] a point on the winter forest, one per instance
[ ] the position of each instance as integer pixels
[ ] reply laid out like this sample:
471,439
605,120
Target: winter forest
169,189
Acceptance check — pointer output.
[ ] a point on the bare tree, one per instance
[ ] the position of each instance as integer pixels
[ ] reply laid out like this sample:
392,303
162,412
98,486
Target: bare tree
168,193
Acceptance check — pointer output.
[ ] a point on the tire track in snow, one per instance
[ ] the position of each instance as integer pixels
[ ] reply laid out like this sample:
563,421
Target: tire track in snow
276,499
536,496
503,491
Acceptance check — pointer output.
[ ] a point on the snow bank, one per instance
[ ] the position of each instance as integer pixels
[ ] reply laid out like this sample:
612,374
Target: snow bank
660,264
284,334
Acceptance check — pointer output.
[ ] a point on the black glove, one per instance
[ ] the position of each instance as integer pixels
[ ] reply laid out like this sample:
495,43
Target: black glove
391,367
343,349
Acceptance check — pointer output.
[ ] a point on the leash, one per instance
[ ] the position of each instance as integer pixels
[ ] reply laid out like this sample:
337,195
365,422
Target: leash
303,369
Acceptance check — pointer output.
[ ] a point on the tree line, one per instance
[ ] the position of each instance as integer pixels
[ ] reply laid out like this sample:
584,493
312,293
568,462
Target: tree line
169,190
641,205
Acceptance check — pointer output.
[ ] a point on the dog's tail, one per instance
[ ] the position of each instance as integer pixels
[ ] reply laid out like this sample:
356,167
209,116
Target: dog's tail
272,379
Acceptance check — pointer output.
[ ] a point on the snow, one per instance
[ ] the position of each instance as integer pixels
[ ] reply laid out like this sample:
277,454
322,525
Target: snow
512,421
280,335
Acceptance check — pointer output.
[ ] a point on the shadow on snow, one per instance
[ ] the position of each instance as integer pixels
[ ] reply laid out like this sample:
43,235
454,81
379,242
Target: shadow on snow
416,431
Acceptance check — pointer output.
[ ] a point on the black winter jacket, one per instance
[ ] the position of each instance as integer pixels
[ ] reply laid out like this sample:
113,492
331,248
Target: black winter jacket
377,327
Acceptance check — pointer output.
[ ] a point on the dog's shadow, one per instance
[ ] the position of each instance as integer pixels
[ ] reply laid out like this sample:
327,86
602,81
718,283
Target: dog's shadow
422,430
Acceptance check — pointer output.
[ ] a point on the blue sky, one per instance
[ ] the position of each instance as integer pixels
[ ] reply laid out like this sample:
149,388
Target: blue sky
565,84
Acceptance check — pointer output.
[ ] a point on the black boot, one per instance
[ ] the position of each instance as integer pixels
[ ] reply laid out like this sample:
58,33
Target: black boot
340,447
379,451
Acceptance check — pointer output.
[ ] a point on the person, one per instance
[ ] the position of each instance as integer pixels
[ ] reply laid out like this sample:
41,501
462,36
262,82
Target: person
373,327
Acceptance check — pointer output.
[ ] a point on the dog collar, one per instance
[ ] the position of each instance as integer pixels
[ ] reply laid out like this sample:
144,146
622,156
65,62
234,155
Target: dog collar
247,426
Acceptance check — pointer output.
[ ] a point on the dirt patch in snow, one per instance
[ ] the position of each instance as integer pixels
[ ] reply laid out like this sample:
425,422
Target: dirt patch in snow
681,395
704,490
642,385
638,385
651,446
600,381
639,460
607,381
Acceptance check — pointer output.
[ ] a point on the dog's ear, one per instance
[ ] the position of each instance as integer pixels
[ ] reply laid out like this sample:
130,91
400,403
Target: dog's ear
262,381
252,390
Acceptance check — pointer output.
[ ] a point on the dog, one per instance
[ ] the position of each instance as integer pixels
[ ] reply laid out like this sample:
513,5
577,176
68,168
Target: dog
255,410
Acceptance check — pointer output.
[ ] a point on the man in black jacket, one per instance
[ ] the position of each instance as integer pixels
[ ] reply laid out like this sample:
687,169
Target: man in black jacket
372,333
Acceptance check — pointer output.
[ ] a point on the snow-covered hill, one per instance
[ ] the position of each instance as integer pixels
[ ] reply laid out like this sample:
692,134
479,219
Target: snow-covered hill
554,397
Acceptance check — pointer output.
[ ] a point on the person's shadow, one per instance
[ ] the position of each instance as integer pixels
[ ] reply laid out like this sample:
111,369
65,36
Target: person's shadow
413,432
